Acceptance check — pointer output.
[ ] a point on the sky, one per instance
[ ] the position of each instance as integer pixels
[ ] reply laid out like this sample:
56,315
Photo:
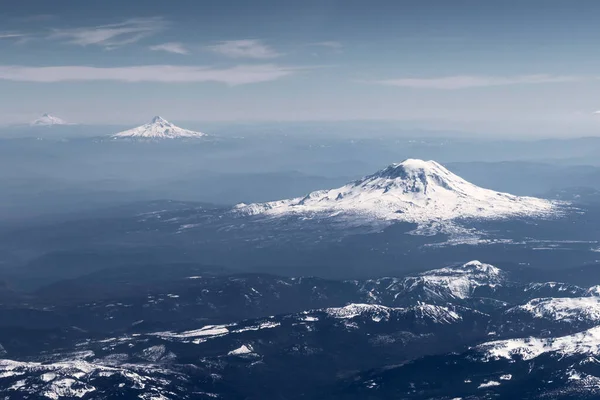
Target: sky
494,67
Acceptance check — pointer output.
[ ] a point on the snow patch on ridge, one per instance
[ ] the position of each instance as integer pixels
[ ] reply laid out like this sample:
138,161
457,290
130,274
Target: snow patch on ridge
244,349
437,314
582,343
565,309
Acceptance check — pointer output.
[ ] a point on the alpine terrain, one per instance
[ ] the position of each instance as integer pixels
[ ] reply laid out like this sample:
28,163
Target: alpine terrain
194,332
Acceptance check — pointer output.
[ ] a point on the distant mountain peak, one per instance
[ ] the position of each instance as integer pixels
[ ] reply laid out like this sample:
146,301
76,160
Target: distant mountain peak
415,191
408,167
473,269
454,282
159,119
481,268
48,120
414,175
158,128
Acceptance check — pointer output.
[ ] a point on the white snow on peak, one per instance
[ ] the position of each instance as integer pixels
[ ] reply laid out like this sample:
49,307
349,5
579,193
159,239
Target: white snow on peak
594,291
567,309
416,191
158,128
244,349
159,119
582,343
454,282
48,120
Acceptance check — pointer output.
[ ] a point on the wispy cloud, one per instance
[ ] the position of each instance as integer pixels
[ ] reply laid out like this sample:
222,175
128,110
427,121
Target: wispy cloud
333,45
470,81
237,75
248,48
17,38
171,47
112,35
12,35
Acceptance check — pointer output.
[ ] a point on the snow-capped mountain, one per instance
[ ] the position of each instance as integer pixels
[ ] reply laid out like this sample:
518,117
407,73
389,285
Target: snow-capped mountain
452,283
438,286
159,128
416,191
48,120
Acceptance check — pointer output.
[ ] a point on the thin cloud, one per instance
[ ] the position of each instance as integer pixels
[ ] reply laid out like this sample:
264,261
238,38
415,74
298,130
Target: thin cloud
237,75
248,48
112,35
12,35
468,81
171,47
333,45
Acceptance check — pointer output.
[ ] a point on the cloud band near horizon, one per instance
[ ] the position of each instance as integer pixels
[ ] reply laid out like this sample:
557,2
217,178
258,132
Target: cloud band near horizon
474,81
237,75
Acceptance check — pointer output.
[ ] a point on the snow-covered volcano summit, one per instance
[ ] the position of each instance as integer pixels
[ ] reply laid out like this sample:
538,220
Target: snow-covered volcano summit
48,120
414,191
159,128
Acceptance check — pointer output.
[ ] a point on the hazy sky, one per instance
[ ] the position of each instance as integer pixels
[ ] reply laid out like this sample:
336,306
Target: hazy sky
530,67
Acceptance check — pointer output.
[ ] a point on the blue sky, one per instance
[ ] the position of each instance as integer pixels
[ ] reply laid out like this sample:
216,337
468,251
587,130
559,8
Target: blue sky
520,67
